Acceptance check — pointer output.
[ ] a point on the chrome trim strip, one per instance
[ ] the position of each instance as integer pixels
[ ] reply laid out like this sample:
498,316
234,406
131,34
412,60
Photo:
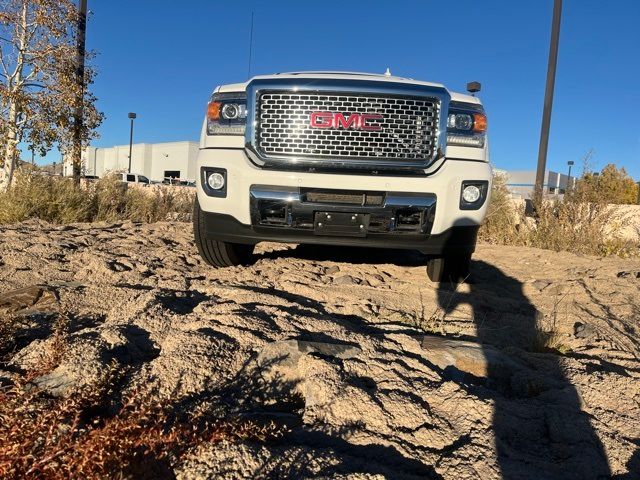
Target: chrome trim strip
255,87
408,201
280,194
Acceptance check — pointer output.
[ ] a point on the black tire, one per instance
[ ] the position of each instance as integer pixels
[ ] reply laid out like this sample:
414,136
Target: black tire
215,253
453,269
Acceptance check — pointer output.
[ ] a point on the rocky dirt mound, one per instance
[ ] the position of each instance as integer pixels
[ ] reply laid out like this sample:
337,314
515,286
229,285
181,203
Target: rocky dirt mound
530,371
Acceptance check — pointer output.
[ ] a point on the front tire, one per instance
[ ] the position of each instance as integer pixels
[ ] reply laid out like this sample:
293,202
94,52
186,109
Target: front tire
453,269
215,253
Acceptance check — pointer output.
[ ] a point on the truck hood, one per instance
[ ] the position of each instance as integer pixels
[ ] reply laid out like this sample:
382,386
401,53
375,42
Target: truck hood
240,87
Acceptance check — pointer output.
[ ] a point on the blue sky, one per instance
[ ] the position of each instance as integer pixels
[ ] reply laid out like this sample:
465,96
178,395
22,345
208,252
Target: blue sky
162,58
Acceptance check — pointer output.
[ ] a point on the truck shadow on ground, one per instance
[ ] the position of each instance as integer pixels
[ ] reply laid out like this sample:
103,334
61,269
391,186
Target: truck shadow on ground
354,255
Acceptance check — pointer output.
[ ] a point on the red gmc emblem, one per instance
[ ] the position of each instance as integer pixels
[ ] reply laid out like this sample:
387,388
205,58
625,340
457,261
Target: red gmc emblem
355,121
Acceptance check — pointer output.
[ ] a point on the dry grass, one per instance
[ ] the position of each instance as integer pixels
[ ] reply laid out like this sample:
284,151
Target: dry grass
547,337
579,223
84,435
503,216
60,200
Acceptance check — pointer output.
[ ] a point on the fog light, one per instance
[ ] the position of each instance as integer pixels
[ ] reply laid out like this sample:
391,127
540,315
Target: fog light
471,194
216,181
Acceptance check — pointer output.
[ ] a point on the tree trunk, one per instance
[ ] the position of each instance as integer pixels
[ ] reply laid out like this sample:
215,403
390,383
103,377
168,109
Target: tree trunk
15,83
10,149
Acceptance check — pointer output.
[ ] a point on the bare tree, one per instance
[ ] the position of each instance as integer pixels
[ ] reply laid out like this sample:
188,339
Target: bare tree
39,89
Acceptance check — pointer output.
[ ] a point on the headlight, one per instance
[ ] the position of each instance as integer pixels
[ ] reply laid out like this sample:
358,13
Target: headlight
460,121
466,125
227,114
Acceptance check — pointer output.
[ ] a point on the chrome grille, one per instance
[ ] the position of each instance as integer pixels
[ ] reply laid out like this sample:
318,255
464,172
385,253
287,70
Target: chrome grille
409,127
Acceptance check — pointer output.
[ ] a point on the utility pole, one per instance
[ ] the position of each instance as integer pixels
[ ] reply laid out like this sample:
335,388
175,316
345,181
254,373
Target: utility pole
81,32
548,99
250,47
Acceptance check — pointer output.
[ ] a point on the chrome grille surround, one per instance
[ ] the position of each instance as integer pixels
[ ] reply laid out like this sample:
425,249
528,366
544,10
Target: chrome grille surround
408,129
279,131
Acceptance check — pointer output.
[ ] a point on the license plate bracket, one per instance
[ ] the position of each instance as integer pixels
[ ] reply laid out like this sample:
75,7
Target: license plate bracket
341,224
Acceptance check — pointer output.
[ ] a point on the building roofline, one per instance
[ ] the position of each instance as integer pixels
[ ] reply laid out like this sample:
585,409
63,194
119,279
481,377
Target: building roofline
148,143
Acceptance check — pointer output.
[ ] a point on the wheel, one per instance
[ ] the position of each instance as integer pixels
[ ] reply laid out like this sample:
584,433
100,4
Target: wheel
215,253
454,269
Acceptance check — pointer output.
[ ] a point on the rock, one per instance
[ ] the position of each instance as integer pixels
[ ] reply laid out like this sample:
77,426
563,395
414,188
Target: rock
65,245
58,382
375,280
346,280
32,299
332,270
582,330
280,359
541,284
460,358
628,274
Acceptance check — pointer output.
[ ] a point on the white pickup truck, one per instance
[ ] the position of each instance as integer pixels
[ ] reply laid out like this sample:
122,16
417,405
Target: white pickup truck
342,159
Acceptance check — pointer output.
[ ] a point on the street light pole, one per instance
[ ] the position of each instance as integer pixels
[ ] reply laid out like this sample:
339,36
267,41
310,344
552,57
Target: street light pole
132,116
548,98
570,163
569,182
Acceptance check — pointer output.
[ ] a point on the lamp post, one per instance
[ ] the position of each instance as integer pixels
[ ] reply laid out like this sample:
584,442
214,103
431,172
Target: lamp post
570,163
132,117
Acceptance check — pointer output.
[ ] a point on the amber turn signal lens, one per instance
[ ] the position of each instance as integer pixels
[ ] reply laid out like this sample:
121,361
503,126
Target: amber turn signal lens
213,111
479,122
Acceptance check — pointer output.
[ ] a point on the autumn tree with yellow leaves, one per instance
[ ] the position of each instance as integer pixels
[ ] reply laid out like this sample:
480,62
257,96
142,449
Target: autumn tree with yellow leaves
39,86
612,185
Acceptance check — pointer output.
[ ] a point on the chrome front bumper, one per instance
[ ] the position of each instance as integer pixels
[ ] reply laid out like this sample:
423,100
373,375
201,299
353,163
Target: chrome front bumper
331,212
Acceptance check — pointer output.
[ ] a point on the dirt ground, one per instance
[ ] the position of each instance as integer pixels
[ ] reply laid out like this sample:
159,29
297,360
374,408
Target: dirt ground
530,371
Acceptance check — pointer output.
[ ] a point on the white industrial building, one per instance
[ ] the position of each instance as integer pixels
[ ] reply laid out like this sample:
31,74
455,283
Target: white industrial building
521,183
156,161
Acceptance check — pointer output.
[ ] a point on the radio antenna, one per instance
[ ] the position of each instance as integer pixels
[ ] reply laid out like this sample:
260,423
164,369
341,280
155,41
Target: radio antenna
250,47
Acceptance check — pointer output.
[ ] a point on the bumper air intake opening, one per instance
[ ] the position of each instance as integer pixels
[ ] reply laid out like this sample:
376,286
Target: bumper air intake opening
409,219
274,213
